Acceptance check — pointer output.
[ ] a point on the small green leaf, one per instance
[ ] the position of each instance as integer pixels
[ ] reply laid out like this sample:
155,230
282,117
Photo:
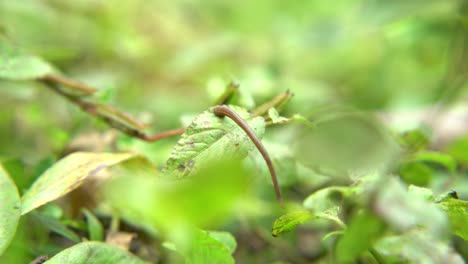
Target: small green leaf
66,175
95,229
362,232
456,210
94,252
9,209
437,158
17,65
56,226
414,140
210,138
327,198
289,221
425,193
275,117
416,173
226,238
457,149
206,249
331,214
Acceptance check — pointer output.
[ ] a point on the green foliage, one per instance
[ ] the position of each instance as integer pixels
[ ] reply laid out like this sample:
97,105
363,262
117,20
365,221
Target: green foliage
207,137
457,149
438,158
9,209
177,203
414,140
95,229
457,213
363,230
208,247
94,252
67,175
362,174
289,221
56,226
345,141
17,65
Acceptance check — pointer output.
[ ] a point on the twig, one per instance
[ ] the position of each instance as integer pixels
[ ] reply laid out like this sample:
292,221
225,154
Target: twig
113,117
165,134
277,102
81,87
377,256
231,90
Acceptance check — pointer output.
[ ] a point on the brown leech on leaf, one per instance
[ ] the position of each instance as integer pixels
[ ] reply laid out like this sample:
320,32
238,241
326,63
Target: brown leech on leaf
224,110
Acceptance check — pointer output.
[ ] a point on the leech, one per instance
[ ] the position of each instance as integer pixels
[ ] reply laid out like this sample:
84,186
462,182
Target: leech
224,110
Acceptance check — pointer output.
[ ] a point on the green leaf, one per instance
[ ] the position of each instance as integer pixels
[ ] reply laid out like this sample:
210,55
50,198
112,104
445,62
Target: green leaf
416,173
327,198
204,199
413,140
333,233
331,214
456,210
417,246
95,229
226,238
362,232
457,149
96,253
66,175
275,117
345,142
437,158
9,209
289,221
56,226
210,138
404,210
17,65
425,193
206,249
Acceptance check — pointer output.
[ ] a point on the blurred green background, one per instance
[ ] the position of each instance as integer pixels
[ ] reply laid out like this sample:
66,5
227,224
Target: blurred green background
166,61
161,59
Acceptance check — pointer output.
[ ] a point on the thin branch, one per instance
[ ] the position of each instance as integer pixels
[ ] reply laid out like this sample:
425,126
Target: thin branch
377,256
115,118
165,134
231,90
81,87
277,102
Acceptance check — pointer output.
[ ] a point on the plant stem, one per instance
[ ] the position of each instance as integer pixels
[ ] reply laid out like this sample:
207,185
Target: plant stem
110,115
278,101
165,134
231,89
377,256
81,87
